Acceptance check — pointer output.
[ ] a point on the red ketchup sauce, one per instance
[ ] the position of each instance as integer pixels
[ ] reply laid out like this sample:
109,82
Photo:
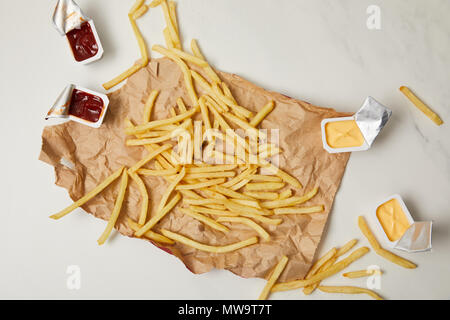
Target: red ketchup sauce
85,106
82,41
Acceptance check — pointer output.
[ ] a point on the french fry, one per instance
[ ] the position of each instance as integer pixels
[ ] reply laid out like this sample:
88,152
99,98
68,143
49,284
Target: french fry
207,248
248,203
262,113
284,195
341,251
149,105
208,221
136,6
215,212
260,218
421,105
273,278
324,274
260,230
173,14
89,195
349,290
205,113
241,176
264,186
297,210
158,216
200,185
215,168
184,68
261,195
140,12
210,175
149,157
151,134
116,211
320,262
155,3
168,38
150,234
170,25
264,178
361,273
159,123
209,71
292,201
144,195
163,172
283,175
181,105
141,42
379,250
121,77
230,193
190,58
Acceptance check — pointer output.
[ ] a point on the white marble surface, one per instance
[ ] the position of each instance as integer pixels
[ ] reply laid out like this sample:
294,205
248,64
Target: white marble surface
319,51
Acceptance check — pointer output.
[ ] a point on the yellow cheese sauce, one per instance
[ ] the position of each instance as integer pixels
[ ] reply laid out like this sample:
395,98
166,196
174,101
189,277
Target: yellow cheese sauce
343,134
392,219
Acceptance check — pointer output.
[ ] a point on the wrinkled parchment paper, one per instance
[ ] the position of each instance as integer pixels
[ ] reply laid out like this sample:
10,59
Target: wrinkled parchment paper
96,153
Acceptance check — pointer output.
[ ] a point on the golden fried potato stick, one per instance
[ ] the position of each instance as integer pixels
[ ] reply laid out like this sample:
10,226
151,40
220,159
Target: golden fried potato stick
140,12
230,193
168,136
241,176
200,185
173,14
249,130
181,105
89,195
292,201
158,216
284,195
283,175
144,195
155,3
273,278
261,195
157,123
299,210
379,250
149,157
136,6
150,234
215,168
320,262
151,134
264,178
205,113
189,58
261,218
341,251
167,38
149,105
250,223
121,77
218,105
262,113
116,211
361,273
170,25
349,290
421,105
264,186
236,207
184,68
207,248
324,274
248,203
208,221
208,70
209,175
215,212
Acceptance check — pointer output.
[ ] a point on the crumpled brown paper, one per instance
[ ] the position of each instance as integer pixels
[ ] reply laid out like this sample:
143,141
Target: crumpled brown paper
96,153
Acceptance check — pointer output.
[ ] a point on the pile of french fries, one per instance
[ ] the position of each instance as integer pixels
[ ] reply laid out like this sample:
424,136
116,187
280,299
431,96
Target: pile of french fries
235,191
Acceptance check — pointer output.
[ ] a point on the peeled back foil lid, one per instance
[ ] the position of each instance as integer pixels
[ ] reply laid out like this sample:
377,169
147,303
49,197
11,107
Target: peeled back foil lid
67,16
371,118
416,238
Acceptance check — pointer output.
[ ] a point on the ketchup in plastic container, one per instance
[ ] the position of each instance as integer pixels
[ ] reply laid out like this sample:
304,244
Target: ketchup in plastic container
86,106
82,42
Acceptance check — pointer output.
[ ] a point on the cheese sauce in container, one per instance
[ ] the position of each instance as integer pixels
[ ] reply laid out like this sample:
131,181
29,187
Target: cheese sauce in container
400,231
81,105
79,30
356,133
